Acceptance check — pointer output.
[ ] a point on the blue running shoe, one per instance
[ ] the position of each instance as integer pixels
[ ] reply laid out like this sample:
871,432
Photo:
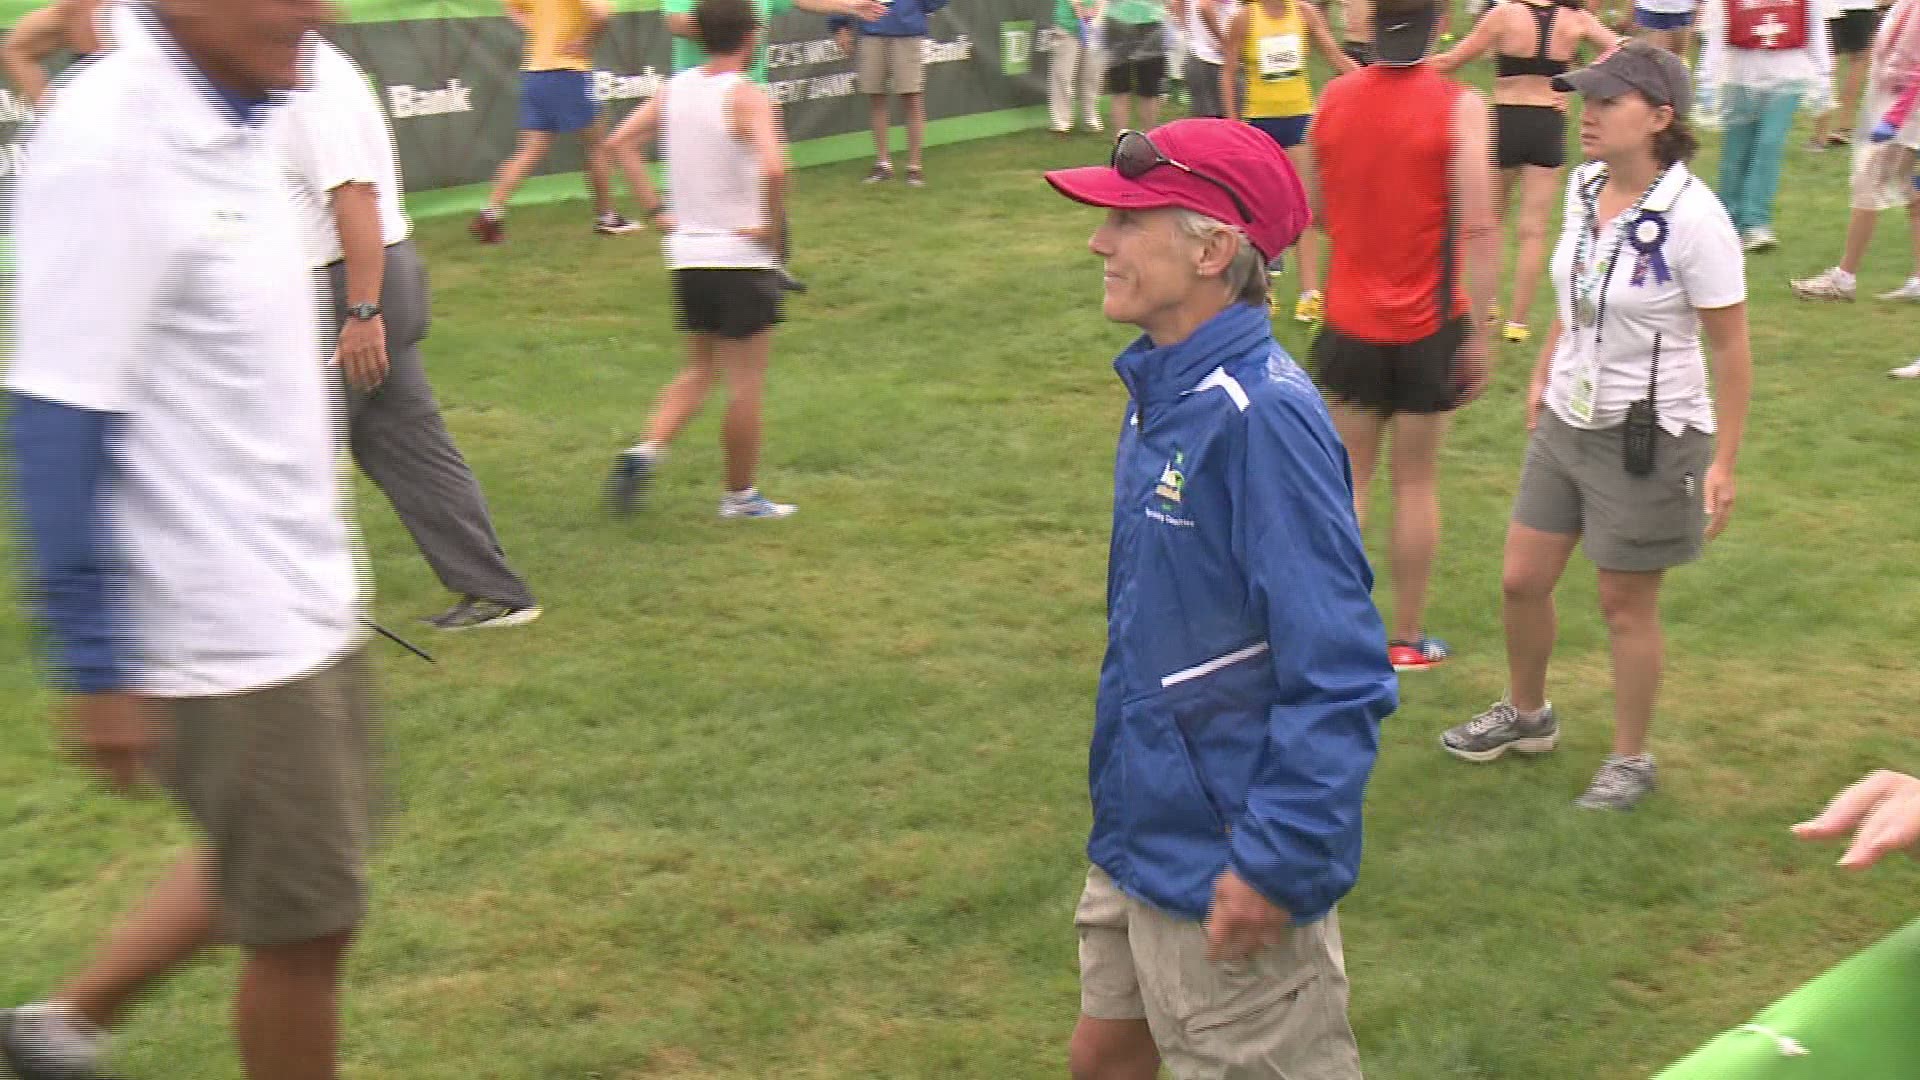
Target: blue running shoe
755,505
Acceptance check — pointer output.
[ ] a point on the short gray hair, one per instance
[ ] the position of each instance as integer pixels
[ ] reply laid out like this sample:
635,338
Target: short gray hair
1246,275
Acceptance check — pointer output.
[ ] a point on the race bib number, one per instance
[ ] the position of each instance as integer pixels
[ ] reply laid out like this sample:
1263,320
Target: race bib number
1280,57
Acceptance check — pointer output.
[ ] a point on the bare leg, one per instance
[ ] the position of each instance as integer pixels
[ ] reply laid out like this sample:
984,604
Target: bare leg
1533,563
1538,189
916,110
1122,108
743,363
1859,236
1112,1050
170,926
526,157
682,398
1856,85
1631,604
593,140
624,148
288,1009
1149,113
1360,431
1913,229
1415,472
878,119
1308,253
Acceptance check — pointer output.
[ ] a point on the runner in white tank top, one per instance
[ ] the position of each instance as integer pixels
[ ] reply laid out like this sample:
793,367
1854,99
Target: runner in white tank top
726,164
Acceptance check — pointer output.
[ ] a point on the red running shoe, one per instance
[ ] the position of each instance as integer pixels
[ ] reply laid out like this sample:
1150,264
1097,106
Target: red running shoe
1428,652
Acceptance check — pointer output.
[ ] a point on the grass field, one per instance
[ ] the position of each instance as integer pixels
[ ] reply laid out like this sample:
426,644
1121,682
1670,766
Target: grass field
806,798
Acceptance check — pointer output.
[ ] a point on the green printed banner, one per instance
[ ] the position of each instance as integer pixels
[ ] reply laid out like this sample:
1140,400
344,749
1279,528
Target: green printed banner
447,72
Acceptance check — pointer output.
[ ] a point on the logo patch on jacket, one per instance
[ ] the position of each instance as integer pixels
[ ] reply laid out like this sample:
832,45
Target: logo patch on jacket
1172,483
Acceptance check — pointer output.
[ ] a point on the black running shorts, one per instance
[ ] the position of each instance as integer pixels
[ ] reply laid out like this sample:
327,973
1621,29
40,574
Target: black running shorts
726,303
1387,379
1530,135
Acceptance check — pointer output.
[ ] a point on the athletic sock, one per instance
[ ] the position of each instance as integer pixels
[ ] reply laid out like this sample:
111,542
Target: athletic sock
61,1034
493,213
743,495
647,450
1842,278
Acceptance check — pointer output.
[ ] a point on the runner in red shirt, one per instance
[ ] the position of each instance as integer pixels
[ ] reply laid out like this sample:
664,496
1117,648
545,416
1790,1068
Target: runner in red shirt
1406,192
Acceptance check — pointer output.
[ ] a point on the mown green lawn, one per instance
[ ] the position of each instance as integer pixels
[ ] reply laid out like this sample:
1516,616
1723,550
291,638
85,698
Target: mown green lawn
806,798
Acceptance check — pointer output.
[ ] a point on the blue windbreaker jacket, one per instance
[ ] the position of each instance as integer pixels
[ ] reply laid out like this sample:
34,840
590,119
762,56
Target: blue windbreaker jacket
1246,672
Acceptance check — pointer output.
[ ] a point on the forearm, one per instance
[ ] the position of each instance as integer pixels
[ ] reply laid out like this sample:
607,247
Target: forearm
61,459
26,75
1732,395
356,217
776,209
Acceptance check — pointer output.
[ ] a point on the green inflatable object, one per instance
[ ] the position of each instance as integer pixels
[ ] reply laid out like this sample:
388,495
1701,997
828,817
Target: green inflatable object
1860,1021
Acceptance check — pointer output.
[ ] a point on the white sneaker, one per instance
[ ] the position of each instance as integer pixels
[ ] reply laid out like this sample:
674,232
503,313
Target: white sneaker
1911,371
1760,238
755,505
1909,291
1830,284
1094,125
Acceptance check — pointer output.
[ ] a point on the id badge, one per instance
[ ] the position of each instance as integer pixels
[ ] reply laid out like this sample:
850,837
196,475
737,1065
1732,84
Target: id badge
1279,57
1586,391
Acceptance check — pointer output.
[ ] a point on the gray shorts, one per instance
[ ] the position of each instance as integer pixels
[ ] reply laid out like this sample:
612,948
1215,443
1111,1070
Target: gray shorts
1574,483
1280,1014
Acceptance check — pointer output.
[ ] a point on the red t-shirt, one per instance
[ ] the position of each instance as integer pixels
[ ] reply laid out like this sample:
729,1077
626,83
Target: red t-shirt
1383,141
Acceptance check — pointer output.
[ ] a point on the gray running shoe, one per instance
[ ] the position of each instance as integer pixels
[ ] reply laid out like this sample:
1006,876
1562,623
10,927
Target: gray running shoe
473,613
1500,729
1619,785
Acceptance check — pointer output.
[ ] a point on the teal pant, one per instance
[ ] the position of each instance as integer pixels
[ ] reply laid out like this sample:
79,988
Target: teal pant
1758,122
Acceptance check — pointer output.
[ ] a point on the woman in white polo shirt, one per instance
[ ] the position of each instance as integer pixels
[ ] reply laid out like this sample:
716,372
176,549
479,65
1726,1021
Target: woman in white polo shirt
1622,459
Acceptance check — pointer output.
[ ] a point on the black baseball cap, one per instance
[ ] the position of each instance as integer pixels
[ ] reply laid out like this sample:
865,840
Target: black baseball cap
1658,75
1403,32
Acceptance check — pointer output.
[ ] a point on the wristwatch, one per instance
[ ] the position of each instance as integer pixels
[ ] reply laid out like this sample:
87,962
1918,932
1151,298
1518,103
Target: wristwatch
364,312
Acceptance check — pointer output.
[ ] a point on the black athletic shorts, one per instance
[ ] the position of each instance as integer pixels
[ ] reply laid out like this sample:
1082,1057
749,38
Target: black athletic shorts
1853,31
1530,135
1145,77
1390,379
726,303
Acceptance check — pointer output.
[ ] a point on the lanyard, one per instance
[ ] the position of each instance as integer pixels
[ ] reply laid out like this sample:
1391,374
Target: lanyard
1595,306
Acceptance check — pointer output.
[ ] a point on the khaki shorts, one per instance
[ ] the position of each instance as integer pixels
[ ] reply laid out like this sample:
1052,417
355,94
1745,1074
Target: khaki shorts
1278,1015
1574,482
890,65
282,782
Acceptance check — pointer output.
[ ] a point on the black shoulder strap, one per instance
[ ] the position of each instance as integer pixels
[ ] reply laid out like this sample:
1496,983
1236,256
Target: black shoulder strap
1544,18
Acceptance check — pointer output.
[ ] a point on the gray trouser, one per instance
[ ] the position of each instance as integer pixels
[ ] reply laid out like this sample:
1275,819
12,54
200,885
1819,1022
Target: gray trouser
402,444
1203,88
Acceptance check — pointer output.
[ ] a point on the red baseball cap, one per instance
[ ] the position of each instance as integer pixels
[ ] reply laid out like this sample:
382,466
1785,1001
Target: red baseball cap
1200,162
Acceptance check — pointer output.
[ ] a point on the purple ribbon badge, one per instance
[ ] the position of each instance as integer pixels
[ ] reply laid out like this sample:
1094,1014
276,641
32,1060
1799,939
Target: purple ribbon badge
1648,235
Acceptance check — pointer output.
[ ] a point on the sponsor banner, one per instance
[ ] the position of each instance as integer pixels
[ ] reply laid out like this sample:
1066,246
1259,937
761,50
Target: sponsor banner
451,86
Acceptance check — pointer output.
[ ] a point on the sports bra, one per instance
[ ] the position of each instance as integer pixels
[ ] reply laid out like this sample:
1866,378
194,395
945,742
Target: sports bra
1539,63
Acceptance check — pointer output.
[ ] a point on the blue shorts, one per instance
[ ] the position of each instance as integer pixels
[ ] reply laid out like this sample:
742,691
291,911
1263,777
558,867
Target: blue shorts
1661,20
555,101
1288,131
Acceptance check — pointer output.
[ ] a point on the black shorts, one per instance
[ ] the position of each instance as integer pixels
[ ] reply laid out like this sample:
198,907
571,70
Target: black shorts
726,303
1145,77
1389,379
1530,135
1853,31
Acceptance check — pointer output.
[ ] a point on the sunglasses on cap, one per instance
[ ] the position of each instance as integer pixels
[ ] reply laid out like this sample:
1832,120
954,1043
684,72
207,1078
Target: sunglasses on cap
1134,156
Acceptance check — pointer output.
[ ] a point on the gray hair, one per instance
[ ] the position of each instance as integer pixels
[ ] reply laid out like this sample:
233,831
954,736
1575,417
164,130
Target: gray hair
1246,275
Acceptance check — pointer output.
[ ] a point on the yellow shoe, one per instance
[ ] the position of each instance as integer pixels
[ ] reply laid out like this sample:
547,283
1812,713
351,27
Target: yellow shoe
1517,333
1310,308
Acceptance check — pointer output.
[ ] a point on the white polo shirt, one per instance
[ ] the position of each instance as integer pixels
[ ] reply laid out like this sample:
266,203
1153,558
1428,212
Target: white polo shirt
1705,269
160,277
333,133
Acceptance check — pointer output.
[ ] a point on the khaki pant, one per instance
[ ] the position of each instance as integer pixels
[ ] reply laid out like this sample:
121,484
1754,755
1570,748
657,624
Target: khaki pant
282,782
1281,1014
1073,71
890,65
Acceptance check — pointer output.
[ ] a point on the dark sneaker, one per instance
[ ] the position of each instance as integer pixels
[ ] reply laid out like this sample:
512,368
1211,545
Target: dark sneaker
487,229
474,613
880,175
628,484
1500,729
789,283
916,178
1619,785
614,225
31,1053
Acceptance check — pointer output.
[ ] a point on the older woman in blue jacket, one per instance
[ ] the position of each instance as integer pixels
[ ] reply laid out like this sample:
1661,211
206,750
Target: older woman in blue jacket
1246,671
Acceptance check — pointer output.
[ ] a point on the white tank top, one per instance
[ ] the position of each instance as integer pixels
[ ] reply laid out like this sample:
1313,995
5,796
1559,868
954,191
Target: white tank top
1202,42
713,178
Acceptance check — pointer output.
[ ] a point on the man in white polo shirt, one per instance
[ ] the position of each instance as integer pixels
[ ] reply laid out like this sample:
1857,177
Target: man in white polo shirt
345,172
174,448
